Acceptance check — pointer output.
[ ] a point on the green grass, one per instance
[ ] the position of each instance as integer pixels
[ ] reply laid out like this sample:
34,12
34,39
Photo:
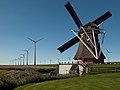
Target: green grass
106,81
104,68
104,65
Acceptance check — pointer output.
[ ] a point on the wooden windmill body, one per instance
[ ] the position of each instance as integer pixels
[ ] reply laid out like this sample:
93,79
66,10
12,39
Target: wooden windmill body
89,49
83,53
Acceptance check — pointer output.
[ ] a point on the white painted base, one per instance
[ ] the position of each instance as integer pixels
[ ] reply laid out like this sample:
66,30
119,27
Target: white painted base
64,69
81,69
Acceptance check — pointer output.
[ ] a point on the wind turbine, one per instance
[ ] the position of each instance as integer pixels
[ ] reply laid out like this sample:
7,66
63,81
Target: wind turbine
20,58
50,61
107,54
23,56
15,61
27,53
69,60
18,61
34,47
12,62
58,60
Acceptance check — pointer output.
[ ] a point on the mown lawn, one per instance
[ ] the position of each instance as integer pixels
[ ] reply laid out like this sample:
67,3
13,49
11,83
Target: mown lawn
105,81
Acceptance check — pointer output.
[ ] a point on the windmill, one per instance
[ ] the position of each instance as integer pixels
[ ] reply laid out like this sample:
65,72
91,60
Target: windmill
27,54
89,50
107,54
34,47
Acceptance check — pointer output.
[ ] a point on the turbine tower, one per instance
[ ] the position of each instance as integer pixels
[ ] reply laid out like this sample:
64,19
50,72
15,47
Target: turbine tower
34,47
23,56
20,58
27,53
107,54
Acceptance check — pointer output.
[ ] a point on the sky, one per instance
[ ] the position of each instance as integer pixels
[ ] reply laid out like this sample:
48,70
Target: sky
50,20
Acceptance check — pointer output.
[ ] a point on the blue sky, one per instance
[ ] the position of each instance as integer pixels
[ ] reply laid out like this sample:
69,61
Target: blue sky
50,20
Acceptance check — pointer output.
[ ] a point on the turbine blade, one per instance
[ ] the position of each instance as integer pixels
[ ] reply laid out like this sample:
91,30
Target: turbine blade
107,50
29,49
24,50
31,39
74,15
28,54
39,40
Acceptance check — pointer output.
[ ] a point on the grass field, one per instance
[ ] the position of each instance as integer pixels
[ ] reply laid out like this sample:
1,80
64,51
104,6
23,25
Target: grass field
104,65
105,81
28,66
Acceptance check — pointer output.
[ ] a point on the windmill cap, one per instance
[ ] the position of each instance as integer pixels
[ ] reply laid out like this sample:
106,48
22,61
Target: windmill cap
88,27
91,24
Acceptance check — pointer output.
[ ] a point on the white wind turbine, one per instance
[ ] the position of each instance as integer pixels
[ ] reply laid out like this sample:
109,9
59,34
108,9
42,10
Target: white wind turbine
107,54
34,47
23,56
27,54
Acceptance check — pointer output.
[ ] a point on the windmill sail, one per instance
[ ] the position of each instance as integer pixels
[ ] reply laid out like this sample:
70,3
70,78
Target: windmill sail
68,44
73,14
102,18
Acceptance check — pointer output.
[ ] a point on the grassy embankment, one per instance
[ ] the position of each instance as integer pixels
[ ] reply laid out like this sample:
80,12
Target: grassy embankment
105,81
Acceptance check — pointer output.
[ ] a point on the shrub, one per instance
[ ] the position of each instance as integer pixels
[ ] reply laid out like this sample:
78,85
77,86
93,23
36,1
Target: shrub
20,77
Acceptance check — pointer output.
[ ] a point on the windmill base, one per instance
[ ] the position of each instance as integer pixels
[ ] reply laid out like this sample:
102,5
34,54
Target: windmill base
70,69
76,67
